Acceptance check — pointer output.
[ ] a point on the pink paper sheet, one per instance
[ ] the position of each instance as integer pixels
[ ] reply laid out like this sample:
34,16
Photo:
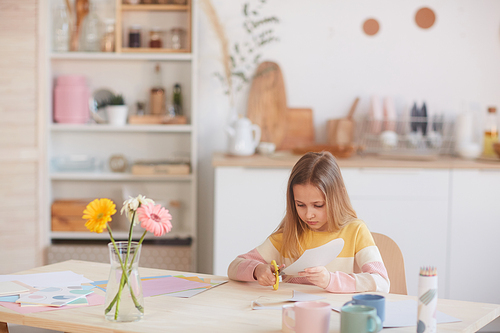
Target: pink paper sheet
93,299
169,284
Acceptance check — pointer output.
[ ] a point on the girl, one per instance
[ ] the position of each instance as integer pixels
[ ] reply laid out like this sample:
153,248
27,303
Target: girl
318,210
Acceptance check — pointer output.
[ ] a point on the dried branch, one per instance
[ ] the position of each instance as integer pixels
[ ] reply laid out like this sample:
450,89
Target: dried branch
226,60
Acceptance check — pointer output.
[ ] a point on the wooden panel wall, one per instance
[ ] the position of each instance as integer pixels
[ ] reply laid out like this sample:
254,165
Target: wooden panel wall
19,151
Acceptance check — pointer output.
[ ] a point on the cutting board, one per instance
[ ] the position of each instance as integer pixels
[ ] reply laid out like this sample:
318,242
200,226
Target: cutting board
267,103
299,129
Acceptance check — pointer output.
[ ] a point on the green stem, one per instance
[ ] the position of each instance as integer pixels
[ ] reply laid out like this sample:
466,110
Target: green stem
123,280
140,242
125,273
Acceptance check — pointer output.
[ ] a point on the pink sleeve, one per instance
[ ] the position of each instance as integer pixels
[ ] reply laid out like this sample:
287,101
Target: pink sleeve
372,278
341,282
242,268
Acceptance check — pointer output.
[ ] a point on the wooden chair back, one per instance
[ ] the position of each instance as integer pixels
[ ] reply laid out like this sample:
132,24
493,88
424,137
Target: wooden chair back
393,261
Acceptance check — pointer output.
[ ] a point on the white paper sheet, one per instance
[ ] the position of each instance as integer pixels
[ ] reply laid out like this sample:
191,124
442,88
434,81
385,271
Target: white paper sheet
319,256
298,296
53,279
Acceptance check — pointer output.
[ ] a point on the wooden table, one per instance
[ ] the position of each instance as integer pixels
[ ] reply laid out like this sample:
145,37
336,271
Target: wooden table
226,308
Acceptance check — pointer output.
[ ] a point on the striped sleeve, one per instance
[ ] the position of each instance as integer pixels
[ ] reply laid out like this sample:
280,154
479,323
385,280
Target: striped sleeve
242,268
373,276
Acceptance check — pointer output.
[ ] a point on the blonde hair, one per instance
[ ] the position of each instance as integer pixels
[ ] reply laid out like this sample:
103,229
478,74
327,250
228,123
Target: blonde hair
322,171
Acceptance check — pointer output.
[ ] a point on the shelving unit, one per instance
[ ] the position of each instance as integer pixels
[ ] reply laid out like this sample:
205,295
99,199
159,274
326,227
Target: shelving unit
124,9
130,74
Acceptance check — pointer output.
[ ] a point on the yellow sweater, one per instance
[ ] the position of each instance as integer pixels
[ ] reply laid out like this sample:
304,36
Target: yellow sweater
359,248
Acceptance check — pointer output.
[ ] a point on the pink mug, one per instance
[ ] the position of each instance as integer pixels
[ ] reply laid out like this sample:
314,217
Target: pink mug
310,317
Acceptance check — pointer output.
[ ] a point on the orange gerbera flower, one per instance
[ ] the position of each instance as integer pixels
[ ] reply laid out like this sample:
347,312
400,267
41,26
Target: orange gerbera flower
98,213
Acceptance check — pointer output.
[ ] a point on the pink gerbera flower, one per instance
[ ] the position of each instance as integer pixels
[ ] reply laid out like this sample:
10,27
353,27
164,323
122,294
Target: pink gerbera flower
155,219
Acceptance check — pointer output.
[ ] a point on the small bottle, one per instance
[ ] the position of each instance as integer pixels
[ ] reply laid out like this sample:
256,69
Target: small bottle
177,99
108,40
157,94
60,37
490,132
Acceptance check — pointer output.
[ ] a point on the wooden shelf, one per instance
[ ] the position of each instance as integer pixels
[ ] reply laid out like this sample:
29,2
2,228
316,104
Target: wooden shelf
151,50
178,55
121,9
118,235
125,128
108,176
160,8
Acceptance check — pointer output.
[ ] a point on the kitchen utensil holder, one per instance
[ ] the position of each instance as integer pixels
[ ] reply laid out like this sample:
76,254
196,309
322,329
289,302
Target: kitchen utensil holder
411,137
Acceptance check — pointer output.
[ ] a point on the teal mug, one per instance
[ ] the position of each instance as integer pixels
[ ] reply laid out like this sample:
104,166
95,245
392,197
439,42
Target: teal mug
359,319
373,300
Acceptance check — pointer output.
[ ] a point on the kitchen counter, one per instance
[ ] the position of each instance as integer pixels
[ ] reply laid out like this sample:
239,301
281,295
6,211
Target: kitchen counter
286,159
414,202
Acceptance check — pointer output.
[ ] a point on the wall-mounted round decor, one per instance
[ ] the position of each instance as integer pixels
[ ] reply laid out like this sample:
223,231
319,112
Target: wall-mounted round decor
371,27
425,18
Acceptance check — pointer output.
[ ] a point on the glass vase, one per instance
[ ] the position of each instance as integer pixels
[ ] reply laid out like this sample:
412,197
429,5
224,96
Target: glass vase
124,299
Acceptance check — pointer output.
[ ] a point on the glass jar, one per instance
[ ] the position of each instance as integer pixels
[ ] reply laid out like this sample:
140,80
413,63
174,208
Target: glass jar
155,38
134,36
177,38
60,36
91,31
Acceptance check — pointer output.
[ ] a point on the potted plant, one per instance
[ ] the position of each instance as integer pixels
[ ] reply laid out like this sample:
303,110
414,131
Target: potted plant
116,110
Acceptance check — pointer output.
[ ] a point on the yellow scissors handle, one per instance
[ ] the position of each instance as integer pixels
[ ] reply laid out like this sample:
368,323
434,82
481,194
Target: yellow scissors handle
276,274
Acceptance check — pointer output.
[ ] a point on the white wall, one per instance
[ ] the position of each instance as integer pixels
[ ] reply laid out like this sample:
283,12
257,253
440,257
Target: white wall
327,61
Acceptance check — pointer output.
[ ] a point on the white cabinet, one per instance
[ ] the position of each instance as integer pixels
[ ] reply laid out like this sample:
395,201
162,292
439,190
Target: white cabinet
408,205
475,245
411,207
249,205
130,74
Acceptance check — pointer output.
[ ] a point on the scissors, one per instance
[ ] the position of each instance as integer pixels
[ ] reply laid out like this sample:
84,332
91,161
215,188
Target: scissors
277,274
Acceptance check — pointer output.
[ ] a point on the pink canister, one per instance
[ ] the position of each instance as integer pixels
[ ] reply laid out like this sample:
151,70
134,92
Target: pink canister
71,99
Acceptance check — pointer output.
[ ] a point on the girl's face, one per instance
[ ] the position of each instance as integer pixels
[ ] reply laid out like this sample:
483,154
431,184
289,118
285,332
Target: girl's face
311,206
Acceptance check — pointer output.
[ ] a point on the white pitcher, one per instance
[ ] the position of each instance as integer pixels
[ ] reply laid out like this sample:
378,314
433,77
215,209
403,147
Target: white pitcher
243,137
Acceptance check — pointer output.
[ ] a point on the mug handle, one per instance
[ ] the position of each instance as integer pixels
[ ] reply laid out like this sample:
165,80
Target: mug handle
257,134
351,302
374,319
285,313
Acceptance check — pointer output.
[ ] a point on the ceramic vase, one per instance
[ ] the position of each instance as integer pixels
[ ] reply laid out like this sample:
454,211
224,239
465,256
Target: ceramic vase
124,298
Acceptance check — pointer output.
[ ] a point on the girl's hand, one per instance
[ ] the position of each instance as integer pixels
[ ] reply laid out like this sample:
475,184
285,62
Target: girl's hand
319,276
264,274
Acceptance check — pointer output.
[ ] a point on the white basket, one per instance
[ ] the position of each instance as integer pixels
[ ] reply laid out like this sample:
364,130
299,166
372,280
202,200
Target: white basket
413,138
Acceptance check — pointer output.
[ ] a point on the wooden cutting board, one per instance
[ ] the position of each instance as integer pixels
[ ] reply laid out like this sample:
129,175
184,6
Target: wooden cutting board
299,129
267,103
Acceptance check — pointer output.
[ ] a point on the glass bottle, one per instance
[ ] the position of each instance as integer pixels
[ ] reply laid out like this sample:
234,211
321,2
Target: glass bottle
157,94
490,132
61,32
177,99
91,31
108,40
